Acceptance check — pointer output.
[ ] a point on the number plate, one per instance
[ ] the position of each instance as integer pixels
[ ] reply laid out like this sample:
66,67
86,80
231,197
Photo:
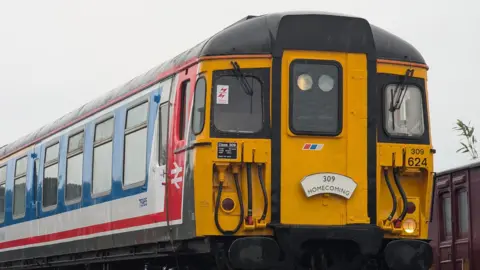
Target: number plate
417,157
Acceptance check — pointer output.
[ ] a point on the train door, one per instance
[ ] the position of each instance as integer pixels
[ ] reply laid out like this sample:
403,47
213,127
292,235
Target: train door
460,220
315,142
446,253
178,140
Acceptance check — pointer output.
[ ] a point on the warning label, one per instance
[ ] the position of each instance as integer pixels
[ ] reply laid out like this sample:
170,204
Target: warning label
222,94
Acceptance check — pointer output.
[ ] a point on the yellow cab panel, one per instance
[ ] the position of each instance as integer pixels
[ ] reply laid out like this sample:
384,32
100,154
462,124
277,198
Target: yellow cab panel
324,138
219,212
404,151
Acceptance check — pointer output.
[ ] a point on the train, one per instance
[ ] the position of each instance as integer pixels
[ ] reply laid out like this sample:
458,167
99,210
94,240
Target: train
454,224
288,140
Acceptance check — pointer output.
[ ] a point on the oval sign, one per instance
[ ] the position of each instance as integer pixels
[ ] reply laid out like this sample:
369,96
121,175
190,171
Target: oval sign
331,183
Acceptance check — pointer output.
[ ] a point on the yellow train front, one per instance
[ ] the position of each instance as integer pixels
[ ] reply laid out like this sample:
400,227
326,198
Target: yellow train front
312,145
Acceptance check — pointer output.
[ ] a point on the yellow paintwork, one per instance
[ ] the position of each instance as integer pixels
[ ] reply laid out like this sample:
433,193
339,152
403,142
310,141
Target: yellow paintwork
416,179
206,181
343,154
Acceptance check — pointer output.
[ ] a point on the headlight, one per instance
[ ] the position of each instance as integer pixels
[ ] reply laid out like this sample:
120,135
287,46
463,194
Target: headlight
326,83
304,82
409,225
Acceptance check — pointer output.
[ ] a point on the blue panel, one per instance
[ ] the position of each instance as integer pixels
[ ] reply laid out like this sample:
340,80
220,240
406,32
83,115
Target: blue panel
29,207
35,207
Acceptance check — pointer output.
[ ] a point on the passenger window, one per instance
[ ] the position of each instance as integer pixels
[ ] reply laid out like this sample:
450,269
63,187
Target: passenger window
102,157
404,111
199,106
163,134
74,177
235,109
184,98
463,220
3,181
19,188
447,216
135,153
315,98
50,176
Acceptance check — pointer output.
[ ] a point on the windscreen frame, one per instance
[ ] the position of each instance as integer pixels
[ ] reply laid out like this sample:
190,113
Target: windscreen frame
262,74
385,79
340,105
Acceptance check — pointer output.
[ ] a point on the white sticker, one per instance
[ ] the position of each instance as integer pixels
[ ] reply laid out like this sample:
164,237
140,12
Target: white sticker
328,183
222,94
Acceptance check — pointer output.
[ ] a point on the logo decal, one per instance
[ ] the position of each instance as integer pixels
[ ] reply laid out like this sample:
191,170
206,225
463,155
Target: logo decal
313,146
332,183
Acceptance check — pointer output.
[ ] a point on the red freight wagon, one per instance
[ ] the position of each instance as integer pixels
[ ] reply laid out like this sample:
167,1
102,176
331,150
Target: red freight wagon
455,228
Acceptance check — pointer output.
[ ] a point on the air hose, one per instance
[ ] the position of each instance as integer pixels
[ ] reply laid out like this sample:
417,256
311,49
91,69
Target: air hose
402,193
217,206
394,199
249,195
264,190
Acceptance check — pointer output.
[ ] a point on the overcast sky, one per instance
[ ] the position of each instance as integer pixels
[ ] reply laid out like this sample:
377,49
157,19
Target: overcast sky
57,55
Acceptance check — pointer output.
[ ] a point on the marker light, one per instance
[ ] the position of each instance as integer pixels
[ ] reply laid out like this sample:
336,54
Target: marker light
411,207
304,82
228,205
409,225
326,83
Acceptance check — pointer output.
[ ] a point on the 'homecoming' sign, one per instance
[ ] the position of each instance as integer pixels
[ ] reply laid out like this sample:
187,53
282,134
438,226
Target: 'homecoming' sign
332,183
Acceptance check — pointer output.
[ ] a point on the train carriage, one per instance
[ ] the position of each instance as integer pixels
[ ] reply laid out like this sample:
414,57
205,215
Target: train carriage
270,145
454,225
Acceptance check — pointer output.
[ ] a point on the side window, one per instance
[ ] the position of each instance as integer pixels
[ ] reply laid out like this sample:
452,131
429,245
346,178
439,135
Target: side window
163,133
315,98
73,190
19,188
199,106
102,157
50,176
135,154
446,216
184,98
462,206
3,181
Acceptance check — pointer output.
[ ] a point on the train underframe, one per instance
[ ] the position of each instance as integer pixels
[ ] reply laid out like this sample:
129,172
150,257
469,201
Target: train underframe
355,247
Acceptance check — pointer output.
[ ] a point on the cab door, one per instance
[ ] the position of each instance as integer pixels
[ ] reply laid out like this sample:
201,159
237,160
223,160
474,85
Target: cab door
323,138
181,99
446,253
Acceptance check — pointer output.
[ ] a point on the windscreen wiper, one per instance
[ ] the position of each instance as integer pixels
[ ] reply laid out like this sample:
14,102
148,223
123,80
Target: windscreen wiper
239,74
397,95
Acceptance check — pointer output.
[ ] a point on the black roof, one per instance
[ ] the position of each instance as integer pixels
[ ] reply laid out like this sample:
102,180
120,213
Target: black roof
266,34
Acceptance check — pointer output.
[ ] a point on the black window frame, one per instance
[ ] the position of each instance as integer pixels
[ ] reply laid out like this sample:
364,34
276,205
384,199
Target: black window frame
131,130
46,164
183,110
194,109
263,76
71,154
340,105
385,95
15,178
383,136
